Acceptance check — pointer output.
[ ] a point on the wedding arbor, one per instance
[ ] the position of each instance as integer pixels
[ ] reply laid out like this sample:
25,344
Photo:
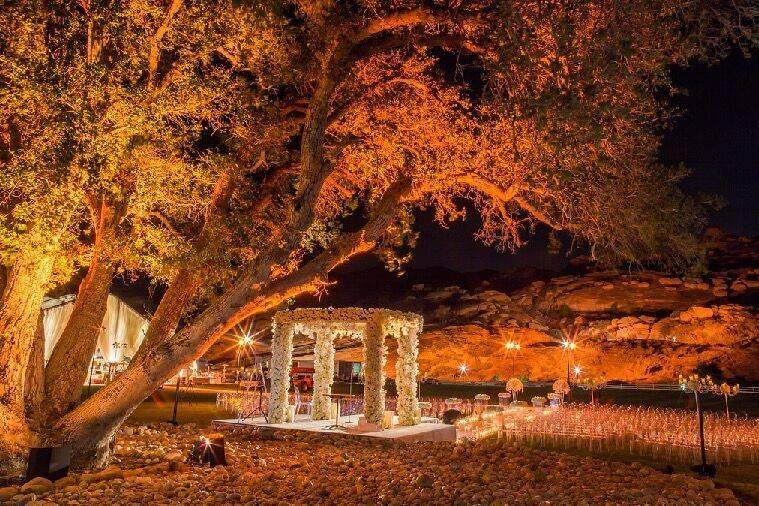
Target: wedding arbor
371,326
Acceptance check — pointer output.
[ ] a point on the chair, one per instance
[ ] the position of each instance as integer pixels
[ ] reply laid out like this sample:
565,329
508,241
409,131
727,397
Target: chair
299,402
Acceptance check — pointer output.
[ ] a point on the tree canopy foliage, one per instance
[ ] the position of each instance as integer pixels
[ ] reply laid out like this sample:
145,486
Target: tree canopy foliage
247,148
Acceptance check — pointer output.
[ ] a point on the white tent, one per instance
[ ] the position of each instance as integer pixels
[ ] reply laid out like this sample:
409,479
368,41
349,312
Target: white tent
122,333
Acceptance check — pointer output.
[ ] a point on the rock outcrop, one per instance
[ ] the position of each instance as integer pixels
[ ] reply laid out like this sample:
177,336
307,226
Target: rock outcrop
641,333
630,326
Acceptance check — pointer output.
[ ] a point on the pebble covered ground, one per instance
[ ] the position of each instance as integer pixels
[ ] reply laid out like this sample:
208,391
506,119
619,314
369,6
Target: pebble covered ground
285,468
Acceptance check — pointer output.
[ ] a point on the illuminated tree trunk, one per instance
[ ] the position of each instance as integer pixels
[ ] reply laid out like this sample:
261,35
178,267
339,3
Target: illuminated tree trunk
34,387
91,426
68,365
19,313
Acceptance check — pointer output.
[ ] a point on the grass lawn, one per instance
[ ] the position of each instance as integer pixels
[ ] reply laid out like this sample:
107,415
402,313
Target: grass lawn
198,403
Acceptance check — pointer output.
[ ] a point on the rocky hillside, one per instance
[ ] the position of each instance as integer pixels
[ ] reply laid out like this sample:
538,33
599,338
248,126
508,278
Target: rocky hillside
633,326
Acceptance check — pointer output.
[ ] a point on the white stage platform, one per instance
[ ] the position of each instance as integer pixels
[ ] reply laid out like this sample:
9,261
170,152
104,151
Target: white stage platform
429,430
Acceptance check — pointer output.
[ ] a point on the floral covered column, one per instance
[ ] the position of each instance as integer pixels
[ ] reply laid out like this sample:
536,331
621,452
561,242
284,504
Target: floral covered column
281,362
374,371
324,373
406,370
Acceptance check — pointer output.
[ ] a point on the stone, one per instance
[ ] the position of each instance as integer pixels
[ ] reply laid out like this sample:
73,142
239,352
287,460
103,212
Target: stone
6,493
425,481
670,281
38,485
64,482
701,312
174,457
110,474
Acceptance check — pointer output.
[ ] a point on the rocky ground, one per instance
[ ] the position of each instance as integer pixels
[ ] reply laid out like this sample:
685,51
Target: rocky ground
274,468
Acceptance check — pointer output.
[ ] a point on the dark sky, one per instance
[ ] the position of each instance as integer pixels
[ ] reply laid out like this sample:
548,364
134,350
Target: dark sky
717,137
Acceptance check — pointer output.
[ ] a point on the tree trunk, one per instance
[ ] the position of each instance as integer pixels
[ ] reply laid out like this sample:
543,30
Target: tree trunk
91,426
95,424
67,368
68,365
34,388
20,307
164,322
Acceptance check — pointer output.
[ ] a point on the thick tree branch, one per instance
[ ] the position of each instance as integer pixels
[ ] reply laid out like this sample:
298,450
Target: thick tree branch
537,213
157,364
155,41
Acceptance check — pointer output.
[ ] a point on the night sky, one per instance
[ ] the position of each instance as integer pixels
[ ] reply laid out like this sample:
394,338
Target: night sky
717,137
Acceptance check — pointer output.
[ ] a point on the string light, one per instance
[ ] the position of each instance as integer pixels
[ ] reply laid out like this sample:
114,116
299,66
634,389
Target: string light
463,368
511,345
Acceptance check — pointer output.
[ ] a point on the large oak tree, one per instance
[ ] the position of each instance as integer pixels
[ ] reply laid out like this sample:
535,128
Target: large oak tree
307,132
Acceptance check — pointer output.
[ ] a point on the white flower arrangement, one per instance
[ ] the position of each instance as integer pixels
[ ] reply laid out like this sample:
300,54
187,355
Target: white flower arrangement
406,370
370,324
374,375
281,362
324,373
482,397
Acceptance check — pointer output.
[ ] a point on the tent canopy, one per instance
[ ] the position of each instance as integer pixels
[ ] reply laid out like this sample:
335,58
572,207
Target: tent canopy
122,332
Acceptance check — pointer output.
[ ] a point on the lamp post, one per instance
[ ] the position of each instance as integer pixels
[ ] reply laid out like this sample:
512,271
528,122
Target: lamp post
242,345
699,385
173,420
728,391
569,347
512,347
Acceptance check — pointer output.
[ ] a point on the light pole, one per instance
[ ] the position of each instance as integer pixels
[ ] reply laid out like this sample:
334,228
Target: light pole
176,398
242,345
513,347
569,347
699,385
92,370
